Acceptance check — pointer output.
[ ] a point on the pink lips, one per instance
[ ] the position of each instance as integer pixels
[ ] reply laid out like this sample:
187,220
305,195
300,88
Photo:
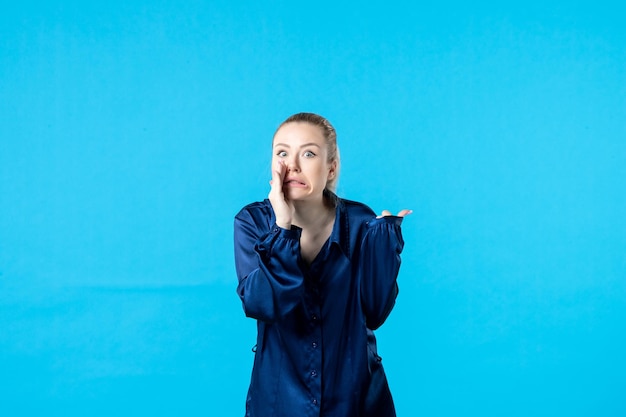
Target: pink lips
292,182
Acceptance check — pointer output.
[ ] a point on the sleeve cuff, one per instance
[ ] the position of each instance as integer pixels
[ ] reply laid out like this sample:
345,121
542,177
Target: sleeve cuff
294,233
386,219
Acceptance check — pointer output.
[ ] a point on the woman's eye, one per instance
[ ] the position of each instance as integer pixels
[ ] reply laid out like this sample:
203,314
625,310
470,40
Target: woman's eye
282,154
309,154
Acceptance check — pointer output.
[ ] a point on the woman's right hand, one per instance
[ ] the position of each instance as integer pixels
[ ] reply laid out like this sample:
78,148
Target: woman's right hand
283,208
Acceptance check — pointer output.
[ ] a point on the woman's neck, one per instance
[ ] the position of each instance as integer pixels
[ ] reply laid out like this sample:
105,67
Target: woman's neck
310,215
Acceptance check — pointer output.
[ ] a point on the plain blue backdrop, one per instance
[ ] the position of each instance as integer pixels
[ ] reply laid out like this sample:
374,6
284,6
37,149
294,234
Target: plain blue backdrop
132,132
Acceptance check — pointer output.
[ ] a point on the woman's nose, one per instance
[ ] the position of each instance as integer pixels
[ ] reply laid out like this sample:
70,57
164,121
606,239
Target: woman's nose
292,165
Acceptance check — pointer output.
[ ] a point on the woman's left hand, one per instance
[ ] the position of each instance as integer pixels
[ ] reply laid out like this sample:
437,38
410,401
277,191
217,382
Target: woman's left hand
401,213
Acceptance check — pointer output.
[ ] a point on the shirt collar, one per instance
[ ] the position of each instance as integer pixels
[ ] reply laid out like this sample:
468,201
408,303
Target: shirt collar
340,235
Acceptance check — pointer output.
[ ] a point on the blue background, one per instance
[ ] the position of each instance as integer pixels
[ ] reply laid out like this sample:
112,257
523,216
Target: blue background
132,132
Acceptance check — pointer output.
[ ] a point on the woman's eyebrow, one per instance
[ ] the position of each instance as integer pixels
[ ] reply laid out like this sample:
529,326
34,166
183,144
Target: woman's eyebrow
302,146
310,144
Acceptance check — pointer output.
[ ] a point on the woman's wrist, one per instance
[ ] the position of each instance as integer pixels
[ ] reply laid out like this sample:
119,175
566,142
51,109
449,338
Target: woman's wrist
285,224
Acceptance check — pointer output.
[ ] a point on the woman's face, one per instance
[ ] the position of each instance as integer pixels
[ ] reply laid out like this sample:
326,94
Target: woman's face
302,148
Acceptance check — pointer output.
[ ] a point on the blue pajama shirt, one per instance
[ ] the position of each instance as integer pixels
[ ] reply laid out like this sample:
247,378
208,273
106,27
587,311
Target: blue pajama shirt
316,352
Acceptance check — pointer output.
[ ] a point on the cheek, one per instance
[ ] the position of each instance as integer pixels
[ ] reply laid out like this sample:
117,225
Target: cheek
322,172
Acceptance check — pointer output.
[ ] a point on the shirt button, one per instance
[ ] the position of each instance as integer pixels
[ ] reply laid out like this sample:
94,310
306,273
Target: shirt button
313,372
314,344
314,317
314,401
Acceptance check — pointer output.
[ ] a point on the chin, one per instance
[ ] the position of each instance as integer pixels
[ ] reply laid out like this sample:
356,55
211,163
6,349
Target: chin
295,196
303,196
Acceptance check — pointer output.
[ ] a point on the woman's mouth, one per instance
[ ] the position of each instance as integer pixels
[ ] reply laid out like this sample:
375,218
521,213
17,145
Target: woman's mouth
291,182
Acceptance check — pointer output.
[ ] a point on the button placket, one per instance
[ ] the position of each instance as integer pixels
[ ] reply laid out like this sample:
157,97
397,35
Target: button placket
314,343
315,348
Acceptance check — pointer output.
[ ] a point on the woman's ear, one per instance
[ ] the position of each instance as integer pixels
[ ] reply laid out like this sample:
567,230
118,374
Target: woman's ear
332,170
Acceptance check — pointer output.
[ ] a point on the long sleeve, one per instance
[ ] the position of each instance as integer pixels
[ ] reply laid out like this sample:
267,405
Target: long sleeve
270,281
379,267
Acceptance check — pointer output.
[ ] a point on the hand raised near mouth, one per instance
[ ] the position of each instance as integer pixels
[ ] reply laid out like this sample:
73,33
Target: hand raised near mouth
401,213
283,208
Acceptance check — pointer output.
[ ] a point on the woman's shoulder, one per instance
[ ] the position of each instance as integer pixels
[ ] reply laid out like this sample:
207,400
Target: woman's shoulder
356,209
256,210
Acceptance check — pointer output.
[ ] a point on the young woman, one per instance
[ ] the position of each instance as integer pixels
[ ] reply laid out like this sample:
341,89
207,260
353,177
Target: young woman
318,273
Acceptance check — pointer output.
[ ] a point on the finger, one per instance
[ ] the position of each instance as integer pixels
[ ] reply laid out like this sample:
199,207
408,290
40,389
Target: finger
276,176
280,172
404,212
384,213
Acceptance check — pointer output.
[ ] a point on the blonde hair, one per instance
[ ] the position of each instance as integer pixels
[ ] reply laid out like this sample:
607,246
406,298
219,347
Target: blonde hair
330,135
